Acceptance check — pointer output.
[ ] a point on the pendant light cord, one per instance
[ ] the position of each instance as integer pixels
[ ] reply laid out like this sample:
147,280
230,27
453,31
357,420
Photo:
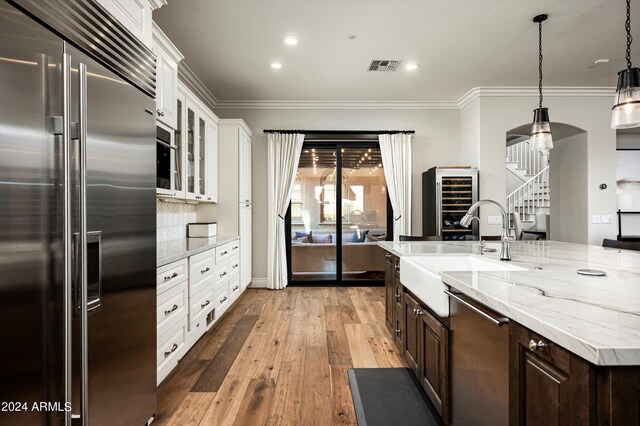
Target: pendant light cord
540,60
629,36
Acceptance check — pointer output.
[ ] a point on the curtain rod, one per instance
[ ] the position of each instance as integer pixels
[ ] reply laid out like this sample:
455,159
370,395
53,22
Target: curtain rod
341,132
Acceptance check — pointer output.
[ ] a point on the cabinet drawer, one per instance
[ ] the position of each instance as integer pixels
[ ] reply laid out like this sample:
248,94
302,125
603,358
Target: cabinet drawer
171,349
234,288
171,307
222,272
223,253
222,302
201,265
196,332
171,274
234,247
200,286
200,307
234,264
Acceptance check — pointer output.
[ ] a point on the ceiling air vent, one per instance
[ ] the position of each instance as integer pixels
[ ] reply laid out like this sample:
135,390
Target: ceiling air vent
383,65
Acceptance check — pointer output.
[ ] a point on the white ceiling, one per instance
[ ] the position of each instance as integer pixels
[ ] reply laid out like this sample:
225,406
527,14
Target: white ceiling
460,44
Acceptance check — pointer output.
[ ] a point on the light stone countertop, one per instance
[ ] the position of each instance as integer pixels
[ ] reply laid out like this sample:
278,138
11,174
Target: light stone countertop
597,318
170,251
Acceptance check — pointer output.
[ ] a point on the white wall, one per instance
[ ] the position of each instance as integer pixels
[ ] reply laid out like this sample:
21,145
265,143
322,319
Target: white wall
567,174
436,143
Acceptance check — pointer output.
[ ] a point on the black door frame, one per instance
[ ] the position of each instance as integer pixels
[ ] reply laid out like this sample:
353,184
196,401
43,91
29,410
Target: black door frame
336,144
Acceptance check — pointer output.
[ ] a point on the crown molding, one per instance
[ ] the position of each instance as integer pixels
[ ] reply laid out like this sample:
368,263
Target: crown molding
470,96
336,105
191,80
157,4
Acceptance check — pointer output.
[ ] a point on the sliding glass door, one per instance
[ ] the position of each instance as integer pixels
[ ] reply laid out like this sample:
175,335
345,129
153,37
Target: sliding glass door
338,213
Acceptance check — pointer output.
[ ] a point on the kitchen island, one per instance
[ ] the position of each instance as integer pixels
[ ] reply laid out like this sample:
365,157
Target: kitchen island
573,340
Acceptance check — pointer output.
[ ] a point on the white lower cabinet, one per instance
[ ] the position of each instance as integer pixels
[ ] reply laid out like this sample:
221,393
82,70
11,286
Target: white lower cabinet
193,294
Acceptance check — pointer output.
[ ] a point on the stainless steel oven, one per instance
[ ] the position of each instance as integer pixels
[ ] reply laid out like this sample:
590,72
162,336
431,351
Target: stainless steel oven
164,155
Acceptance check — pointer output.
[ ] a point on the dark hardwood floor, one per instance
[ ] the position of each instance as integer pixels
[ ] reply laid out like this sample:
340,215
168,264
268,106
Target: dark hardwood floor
280,358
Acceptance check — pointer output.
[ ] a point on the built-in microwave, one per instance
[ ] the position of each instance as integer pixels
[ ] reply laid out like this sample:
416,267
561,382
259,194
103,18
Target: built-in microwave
164,156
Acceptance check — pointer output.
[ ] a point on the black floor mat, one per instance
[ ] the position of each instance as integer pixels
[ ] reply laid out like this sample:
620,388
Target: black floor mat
390,397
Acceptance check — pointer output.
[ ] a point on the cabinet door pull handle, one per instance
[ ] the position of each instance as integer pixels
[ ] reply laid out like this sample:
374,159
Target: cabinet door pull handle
223,253
205,303
173,349
223,299
235,266
398,331
205,270
235,288
534,346
168,311
175,274
499,321
418,312
223,274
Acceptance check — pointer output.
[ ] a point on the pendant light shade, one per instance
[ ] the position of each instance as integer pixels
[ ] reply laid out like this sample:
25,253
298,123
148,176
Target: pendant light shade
626,110
541,138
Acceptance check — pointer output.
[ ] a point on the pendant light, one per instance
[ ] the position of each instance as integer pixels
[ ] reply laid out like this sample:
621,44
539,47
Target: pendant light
626,111
540,130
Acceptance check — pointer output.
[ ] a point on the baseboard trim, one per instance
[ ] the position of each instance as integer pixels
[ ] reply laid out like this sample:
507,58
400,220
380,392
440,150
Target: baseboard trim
258,283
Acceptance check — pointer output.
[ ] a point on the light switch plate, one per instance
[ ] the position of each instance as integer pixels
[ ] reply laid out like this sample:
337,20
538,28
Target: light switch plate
607,218
494,220
596,218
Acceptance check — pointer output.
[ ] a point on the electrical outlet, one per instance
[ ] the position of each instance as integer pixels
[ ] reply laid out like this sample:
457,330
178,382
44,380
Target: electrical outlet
494,220
596,218
607,218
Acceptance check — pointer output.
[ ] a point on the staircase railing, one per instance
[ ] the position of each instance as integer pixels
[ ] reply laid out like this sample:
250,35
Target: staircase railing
530,195
533,161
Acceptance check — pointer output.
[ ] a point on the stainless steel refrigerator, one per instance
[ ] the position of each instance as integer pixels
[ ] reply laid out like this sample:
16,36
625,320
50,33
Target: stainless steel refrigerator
77,235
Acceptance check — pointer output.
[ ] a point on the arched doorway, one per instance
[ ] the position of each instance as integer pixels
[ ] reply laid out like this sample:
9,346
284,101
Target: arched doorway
547,193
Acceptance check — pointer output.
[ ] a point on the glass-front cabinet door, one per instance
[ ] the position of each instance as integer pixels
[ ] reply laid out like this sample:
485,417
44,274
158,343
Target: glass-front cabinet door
178,170
202,158
191,153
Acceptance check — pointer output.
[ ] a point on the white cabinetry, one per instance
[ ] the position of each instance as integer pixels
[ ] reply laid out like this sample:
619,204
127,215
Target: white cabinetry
135,15
197,132
233,211
167,58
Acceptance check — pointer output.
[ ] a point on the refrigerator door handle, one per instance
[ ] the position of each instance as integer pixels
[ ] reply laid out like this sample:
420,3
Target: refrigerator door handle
64,130
82,133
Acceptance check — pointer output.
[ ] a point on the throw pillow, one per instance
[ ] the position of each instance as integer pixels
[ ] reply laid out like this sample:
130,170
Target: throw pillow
298,234
321,238
359,236
300,240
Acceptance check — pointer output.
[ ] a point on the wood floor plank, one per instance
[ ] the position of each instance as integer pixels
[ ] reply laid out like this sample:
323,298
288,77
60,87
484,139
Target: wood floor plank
317,327
289,302
359,348
219,366
228,399
317,406
343,411
191,410
347,309
286,406
175,388
330,296
271,360
261,296
337,343
256,404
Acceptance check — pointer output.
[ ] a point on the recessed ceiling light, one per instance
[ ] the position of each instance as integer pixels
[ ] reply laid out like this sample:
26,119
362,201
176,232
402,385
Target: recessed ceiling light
411,66
276,65
290,41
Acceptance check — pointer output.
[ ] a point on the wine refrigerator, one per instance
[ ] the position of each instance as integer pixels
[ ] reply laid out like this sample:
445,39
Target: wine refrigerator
447,194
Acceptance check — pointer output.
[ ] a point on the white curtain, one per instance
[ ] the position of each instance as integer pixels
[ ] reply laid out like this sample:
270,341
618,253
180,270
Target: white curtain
283,158
396,160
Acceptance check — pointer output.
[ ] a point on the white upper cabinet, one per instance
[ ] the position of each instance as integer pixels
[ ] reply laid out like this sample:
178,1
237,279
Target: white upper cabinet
167,59
197,142
135,15
244,164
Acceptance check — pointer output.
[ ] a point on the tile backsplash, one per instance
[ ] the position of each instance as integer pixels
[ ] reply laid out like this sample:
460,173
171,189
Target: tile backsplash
172,220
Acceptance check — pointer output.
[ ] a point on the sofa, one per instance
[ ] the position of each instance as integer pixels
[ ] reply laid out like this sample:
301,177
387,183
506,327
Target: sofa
317,253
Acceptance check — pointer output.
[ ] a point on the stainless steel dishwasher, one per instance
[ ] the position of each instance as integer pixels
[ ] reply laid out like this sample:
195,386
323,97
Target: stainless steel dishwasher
479,345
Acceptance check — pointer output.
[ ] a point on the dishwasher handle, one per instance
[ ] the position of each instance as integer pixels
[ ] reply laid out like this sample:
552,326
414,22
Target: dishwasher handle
497,321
